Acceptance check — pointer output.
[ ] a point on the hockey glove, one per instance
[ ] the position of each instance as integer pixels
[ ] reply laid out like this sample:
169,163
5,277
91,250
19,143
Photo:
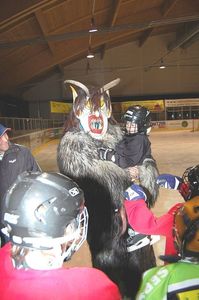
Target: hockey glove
106,154
169,181
135,192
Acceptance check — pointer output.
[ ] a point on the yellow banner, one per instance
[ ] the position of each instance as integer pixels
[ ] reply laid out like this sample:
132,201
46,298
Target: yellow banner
152,105
60,107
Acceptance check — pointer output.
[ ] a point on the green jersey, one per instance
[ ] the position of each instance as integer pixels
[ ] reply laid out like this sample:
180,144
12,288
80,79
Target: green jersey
174,281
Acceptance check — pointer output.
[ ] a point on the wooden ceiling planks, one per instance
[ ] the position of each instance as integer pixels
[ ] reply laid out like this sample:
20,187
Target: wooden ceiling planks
33,22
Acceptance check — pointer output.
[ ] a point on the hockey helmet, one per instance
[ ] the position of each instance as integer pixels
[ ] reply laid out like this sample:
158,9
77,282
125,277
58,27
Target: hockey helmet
186,229
137,119
190,185
39,207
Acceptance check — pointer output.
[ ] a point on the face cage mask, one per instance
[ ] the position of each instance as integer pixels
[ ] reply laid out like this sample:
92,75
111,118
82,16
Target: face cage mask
189,187
78,226
75,235
79,236
131,127
180,243
185,190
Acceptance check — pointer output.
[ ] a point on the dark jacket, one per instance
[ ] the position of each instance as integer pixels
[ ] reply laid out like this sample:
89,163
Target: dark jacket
16,160
132,150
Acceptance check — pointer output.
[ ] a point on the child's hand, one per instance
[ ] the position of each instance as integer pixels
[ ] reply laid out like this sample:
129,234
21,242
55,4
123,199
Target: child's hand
134,173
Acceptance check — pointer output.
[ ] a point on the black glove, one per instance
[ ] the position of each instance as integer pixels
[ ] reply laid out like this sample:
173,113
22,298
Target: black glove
106,154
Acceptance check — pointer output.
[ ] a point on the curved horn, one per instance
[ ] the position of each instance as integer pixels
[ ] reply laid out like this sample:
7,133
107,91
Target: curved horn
80,85
109,85
74,93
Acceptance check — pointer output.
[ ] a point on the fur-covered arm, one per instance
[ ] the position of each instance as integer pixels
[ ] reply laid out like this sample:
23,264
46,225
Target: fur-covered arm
148,173
78,157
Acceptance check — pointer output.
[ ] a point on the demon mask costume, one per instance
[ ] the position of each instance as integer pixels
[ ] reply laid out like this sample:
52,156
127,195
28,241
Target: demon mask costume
90,126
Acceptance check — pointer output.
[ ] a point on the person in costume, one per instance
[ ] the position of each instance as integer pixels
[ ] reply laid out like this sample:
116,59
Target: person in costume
46,220
91,126
179,279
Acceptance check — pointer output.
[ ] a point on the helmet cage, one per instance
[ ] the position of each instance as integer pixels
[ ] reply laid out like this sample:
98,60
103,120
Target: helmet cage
75,238
131,127
80,234
185,190
190,185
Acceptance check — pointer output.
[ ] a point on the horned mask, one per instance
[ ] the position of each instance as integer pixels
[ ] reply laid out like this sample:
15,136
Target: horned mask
92,107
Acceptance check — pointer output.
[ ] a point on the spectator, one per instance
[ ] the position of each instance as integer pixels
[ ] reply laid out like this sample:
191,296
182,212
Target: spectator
14,159
180,279
46,220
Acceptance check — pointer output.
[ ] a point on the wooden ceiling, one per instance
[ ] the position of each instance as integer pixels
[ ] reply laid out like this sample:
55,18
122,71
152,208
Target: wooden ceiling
37,37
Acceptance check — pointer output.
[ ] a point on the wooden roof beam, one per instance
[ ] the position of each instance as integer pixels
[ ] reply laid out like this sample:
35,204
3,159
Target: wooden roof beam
191,41
167,7
42,24
165,10
15,12
184,38
112,23
145,35
43,62
61,69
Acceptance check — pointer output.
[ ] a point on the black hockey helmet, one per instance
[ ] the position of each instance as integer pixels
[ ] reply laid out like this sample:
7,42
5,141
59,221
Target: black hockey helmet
190,185
39,206
140,116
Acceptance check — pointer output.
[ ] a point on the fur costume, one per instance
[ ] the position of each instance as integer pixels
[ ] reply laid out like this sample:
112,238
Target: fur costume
103,183
148,173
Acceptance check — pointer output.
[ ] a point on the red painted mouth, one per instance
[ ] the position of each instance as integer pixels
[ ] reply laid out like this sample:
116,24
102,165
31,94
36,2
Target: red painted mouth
96,124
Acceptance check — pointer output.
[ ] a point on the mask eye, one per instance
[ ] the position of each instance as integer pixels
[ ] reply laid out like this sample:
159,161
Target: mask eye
88,104
102,103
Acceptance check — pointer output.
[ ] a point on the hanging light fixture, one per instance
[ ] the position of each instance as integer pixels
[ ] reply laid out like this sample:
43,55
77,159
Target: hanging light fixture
93,27
91,31
90,53
162,65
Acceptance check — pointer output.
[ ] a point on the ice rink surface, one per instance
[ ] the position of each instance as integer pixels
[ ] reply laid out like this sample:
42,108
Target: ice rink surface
174,151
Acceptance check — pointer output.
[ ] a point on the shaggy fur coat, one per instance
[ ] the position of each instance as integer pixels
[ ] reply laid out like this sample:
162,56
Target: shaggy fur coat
104,183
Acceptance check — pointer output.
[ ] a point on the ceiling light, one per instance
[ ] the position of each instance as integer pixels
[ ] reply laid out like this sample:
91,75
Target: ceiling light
162,65
90,53
93,27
